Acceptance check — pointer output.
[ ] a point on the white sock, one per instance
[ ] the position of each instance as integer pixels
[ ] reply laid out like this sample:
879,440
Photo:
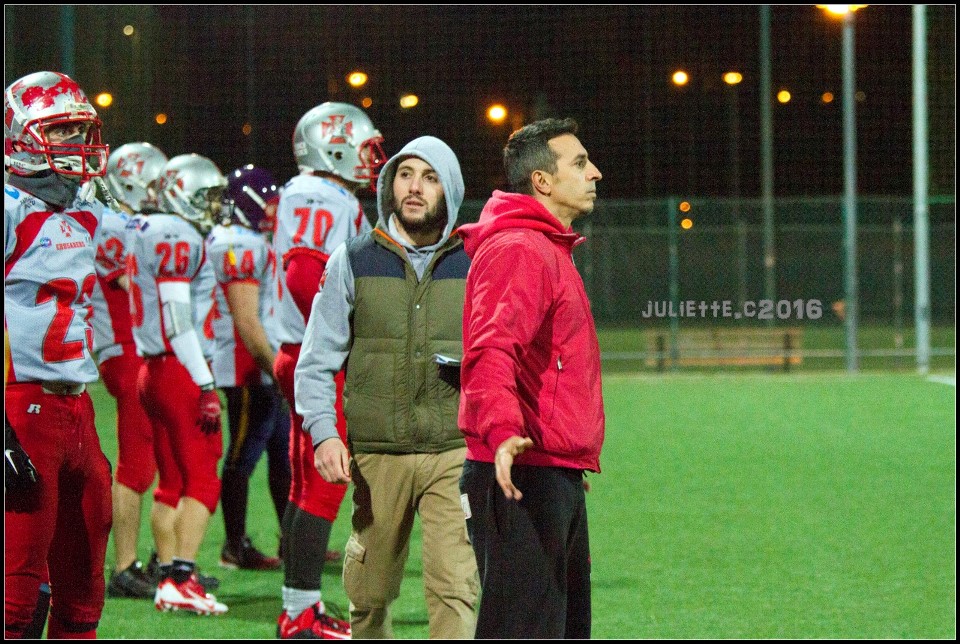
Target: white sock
295,601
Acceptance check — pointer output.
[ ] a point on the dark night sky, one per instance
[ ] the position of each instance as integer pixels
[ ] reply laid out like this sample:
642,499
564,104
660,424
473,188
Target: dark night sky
608,66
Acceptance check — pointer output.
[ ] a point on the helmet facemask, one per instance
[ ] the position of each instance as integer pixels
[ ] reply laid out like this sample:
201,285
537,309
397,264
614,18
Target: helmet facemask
372,158
200,208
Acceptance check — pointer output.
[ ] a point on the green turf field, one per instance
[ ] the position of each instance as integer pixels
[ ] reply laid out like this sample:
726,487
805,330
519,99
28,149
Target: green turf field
729,506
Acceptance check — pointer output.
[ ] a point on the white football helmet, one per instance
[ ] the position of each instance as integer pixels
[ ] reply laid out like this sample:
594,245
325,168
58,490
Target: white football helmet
339,138
33,104
130,169
192,186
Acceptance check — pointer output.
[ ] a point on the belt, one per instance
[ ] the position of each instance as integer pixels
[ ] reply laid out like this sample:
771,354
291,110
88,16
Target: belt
63,388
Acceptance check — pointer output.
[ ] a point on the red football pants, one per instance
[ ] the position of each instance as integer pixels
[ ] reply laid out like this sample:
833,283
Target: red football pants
308,490
186,457
136,464
61,526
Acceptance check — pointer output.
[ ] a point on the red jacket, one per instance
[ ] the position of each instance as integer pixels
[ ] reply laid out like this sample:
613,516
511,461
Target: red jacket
531,363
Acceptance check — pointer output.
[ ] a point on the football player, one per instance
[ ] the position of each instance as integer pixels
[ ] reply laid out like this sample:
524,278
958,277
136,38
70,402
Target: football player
167,288
57,514
131,168
245,348
338,151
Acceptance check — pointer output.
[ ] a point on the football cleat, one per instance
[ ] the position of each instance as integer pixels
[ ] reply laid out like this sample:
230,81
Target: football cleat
153,574
189,596
247,557
131,582
312,624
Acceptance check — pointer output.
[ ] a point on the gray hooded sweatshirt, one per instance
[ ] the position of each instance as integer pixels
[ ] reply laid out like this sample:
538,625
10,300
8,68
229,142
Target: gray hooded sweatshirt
327,340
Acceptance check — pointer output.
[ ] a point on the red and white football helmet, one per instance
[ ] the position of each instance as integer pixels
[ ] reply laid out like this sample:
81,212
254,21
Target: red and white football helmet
339,138
33,104
130,170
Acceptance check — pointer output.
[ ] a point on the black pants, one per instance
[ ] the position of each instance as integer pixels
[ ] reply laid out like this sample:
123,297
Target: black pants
259,422
533,555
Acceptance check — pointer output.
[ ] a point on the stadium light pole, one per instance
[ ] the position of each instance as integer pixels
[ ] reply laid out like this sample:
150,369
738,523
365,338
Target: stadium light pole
851,296
921,207
68,21
732,79
766,158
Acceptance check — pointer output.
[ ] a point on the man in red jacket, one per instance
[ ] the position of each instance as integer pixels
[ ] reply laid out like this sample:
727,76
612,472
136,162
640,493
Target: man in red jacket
531,406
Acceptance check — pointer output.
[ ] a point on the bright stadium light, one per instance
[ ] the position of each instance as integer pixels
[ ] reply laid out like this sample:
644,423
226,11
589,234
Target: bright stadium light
732,78
104,99
497,113
686,223
160,118
409,100
840,9
128,30
357,79
680,77
783,96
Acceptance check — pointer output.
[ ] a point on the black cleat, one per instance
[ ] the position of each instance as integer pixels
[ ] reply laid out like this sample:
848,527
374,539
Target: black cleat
132,581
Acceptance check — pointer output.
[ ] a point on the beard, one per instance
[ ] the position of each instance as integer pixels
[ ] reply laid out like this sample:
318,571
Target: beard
434,220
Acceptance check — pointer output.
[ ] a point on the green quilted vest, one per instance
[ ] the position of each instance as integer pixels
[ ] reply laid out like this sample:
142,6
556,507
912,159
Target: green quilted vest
395,400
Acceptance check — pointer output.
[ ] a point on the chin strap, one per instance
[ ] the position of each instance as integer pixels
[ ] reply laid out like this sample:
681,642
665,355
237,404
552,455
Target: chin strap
108,198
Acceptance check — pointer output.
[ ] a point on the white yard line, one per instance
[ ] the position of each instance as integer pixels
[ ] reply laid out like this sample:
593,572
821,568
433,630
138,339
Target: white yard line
945,380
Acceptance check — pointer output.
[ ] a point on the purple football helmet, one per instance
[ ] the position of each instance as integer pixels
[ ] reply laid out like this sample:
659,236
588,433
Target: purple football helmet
251,198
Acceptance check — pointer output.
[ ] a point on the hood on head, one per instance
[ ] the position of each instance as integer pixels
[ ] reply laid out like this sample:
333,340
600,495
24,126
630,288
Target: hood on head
444,162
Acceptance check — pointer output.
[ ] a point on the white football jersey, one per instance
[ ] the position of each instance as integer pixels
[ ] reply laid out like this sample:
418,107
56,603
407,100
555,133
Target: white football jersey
111,306
163,247
48,283
314,215
238,254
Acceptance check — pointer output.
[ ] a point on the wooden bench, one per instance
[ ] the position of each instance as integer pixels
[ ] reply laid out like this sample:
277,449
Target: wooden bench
726,347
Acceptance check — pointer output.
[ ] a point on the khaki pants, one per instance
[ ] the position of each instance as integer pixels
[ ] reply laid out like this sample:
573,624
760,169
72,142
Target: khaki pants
388,490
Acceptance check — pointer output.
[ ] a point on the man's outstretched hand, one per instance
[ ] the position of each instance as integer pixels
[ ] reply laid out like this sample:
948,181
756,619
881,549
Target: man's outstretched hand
503,461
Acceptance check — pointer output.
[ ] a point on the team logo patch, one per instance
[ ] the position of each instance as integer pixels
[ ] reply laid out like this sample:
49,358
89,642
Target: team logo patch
337,129
13,192
33,409
45,242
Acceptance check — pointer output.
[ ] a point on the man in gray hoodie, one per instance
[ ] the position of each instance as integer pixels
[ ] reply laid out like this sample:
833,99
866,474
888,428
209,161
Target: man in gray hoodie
390,308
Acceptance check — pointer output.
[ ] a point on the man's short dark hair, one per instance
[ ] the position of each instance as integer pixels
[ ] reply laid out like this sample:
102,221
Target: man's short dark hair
528,150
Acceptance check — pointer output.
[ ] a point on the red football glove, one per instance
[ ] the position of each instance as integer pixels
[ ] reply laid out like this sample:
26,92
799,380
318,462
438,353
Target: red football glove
209,412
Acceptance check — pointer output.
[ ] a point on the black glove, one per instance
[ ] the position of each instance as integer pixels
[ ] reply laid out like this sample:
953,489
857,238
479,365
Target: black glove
18,470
